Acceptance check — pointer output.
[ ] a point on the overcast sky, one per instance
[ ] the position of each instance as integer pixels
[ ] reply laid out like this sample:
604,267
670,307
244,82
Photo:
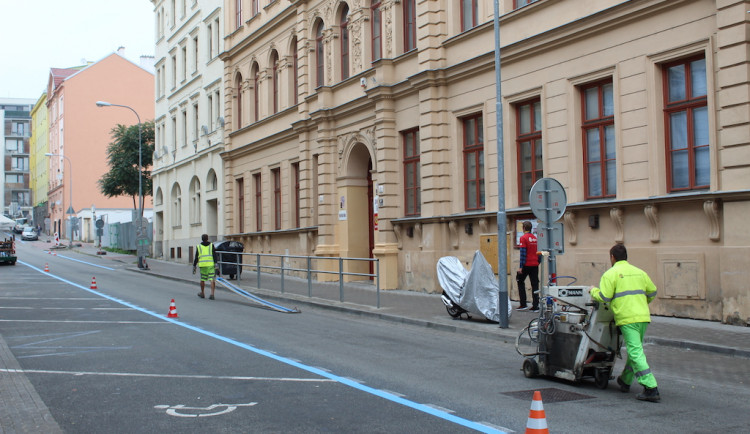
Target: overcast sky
36,35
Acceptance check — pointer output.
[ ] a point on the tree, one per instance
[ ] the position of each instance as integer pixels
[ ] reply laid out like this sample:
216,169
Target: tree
122,158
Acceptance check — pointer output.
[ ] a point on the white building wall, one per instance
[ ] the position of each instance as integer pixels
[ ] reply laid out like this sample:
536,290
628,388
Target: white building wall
188,125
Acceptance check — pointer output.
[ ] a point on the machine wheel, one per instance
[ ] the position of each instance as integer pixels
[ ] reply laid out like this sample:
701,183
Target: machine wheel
530,368
454,311
601,377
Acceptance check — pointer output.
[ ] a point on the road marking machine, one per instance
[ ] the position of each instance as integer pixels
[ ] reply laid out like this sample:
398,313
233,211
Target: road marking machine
575,337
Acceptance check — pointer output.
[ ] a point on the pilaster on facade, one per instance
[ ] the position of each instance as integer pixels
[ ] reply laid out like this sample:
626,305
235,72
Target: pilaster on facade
733,105
432,31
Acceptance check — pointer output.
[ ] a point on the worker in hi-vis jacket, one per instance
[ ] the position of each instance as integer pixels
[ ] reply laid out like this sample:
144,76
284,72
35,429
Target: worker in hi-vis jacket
629,290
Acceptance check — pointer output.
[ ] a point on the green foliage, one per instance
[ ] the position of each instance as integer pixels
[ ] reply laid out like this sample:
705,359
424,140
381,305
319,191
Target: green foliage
122,159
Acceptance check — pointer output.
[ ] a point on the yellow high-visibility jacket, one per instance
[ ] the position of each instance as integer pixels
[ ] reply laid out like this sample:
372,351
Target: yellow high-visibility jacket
628,290
205,255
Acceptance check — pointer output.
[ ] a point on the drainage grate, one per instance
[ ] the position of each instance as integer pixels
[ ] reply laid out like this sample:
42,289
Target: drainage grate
550,394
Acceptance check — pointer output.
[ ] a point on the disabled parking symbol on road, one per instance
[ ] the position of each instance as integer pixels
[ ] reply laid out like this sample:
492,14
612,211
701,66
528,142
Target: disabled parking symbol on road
212,410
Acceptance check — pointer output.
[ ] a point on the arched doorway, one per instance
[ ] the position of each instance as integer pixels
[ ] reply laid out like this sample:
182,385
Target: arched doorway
356,209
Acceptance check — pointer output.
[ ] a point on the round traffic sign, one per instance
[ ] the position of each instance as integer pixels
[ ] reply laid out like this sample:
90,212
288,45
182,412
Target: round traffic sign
547,200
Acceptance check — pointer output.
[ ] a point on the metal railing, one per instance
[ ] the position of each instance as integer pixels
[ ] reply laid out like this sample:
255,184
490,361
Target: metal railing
283,268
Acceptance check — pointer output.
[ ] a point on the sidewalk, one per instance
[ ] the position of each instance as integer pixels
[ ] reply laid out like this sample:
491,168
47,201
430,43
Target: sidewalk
427,310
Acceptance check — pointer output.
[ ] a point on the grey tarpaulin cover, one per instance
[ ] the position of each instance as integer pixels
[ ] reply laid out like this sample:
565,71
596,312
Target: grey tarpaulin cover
476,290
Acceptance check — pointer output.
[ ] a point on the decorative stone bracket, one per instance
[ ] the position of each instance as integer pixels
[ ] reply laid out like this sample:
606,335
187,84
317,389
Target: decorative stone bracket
652,214
398,231
570,223
711,208
453,229
617,217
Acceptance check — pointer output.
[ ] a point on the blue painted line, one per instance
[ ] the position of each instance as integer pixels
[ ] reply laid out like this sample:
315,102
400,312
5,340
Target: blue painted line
84,262
370,390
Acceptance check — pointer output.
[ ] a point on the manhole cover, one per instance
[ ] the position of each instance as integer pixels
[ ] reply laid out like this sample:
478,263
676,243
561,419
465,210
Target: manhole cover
549,394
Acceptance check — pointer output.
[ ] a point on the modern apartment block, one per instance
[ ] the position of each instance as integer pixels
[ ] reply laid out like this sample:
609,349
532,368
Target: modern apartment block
16,121
189,126
367,128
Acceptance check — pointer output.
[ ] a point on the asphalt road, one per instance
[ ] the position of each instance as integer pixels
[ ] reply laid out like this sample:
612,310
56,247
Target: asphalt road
109,360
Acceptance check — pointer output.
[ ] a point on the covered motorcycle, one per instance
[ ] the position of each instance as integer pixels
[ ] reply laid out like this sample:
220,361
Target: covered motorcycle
474,291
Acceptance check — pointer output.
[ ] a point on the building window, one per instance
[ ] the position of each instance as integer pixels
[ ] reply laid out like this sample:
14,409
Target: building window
241,205
468,14
345,43
176,206
529,143
210,44
254,7
196,124
521,3
184,63
319,58
217,37
174,133
256,93
377,31
412,180
473,138
195,202
238,13
174,71
238,91
195,53
600,172
295,180
410,25
258,202
686,125
184,127
275,79
276,174
210,105
295,73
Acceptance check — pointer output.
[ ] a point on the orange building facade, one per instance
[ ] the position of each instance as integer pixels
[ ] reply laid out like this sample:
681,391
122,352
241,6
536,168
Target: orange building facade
79,132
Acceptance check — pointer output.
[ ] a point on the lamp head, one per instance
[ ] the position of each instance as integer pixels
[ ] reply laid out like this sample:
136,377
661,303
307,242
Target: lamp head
102,104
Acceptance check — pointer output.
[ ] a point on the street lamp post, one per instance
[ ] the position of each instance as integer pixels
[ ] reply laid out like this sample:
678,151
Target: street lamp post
49,154
139,225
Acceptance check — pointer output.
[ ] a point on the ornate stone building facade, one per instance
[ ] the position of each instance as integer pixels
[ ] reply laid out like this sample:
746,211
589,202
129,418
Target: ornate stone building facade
366,128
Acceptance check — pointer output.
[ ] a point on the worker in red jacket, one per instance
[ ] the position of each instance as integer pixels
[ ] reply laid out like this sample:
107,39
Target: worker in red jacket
529,266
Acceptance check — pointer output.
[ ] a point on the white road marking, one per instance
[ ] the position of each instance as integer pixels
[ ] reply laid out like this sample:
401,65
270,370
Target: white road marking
191,377
172,410
82,322
62,308
52,298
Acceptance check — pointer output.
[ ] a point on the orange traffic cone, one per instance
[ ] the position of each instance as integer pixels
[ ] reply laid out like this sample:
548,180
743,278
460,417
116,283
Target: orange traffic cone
172,310
537,423
46,267
93,283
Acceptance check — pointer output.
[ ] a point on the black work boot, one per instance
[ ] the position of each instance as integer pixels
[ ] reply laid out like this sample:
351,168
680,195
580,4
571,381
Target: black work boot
624,388
650,394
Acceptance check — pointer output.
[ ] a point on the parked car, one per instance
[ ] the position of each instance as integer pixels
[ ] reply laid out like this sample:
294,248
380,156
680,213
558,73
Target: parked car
29,234
20,224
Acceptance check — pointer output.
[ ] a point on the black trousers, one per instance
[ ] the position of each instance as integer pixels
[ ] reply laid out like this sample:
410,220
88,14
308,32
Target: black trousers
533,273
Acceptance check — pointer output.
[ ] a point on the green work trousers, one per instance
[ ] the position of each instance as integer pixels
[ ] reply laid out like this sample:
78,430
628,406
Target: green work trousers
636,365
